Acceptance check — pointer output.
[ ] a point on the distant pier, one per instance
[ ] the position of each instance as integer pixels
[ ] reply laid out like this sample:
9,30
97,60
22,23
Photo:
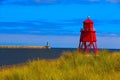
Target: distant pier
31,47
28,47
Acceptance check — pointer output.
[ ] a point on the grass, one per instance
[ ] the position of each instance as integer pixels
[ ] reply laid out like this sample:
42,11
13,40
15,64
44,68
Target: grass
70,66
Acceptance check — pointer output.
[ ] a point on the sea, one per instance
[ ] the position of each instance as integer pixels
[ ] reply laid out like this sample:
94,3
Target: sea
19,56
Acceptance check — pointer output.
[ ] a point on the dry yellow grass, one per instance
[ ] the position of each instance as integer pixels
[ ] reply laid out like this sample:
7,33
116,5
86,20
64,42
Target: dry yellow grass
70,66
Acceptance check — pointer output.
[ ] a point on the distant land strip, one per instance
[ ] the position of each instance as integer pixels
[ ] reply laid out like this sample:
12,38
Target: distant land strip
32,47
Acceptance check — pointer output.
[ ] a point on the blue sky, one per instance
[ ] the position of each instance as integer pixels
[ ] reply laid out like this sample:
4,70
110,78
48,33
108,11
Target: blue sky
34,22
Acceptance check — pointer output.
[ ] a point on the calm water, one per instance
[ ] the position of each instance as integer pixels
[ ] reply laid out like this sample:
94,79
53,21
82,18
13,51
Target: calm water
16,56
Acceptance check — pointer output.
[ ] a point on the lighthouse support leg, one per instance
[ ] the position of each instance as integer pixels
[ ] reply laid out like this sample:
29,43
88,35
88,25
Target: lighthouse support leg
80,46
96,49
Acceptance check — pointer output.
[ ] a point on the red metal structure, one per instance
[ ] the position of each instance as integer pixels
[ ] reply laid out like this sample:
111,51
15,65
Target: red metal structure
88,37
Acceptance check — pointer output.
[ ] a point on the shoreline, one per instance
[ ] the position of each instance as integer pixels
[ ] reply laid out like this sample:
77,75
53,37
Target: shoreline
31,47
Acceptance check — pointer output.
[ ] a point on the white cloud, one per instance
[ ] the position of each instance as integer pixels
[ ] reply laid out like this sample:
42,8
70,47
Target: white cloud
37,40
94,0
44,1
56,41
105,34
109,42
36,2
114,1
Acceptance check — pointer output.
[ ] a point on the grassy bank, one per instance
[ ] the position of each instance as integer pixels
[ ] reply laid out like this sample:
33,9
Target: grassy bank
70,66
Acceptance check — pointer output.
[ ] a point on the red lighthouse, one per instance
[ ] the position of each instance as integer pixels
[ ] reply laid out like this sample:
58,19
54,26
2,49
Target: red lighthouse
88,37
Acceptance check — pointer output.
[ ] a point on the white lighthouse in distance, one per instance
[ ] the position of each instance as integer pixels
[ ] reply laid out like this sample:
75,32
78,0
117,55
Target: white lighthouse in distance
47,46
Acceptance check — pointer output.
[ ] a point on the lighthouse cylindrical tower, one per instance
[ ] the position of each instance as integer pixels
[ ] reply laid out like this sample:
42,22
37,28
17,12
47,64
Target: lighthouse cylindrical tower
88,39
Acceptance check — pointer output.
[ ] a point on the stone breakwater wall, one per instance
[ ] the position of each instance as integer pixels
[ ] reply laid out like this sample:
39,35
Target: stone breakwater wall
36,47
